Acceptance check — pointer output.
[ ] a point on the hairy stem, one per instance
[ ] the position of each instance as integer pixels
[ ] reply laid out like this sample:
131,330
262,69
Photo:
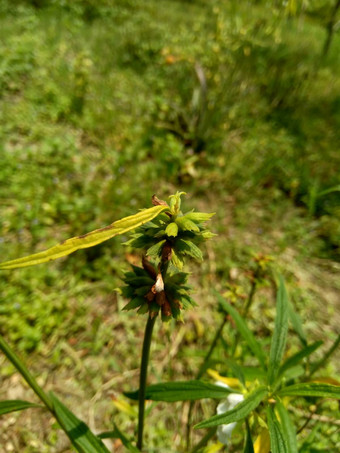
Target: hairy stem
19,365
143,377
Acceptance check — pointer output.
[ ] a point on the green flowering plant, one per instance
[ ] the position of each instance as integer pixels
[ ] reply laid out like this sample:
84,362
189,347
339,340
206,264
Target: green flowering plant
166,236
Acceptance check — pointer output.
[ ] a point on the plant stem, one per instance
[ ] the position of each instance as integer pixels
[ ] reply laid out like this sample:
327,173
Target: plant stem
19,365
143,377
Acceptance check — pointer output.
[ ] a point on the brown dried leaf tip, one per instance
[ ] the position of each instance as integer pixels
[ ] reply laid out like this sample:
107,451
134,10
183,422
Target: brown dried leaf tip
157,202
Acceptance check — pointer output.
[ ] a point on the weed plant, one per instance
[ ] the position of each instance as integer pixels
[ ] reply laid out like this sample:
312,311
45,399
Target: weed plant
258,394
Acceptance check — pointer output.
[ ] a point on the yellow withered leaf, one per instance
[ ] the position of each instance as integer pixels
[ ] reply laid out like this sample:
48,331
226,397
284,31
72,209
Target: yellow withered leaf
262,443
230,382
87,240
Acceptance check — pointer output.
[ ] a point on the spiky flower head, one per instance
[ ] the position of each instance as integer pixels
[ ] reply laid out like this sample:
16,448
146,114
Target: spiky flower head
173,235
160,286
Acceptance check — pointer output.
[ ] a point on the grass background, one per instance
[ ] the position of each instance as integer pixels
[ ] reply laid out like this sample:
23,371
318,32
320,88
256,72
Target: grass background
103,104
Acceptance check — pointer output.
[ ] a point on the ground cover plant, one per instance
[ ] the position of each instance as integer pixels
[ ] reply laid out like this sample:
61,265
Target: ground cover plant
103,104
168,236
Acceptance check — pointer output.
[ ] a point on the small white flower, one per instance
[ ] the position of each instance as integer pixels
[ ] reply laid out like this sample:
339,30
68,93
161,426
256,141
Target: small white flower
224,431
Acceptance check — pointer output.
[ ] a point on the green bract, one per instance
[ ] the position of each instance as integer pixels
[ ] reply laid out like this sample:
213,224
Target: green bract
172,236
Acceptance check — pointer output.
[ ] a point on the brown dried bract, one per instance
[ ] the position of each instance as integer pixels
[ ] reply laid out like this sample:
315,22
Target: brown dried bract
161,298
148,267
157,202
166,252
166,308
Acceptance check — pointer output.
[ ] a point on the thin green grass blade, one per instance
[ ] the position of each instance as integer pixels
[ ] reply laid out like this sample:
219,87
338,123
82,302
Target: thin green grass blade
86,240
243,329
8,406
279,339
277,438
311,389
79,433
287,428
238,412
182,391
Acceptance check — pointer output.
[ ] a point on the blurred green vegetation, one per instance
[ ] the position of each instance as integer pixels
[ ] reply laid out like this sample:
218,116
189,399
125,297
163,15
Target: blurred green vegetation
103,103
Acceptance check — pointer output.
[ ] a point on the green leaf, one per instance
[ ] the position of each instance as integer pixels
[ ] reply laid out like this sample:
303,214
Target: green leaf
311,389
297,324
299,356
87,240
189,248
186,224
156,249
117,434
79,433
277,438
172,229
15,405
238,412
199,217
287,428
248,446
134,303
326,356
182,391
177,260
243,329
279,339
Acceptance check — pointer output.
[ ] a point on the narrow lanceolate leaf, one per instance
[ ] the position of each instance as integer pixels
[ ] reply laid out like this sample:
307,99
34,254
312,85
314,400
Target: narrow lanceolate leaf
297,324
182,391
316,366
279,339
287,428
15,405
87,240
299,356
199,216
277,438
311,389
238,412
79,433
243,329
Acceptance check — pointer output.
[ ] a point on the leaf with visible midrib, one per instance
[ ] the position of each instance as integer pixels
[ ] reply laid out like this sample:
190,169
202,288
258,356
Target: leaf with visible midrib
288,428
8,406
182,391
279,339
277,439
238,412
86,240
311,389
